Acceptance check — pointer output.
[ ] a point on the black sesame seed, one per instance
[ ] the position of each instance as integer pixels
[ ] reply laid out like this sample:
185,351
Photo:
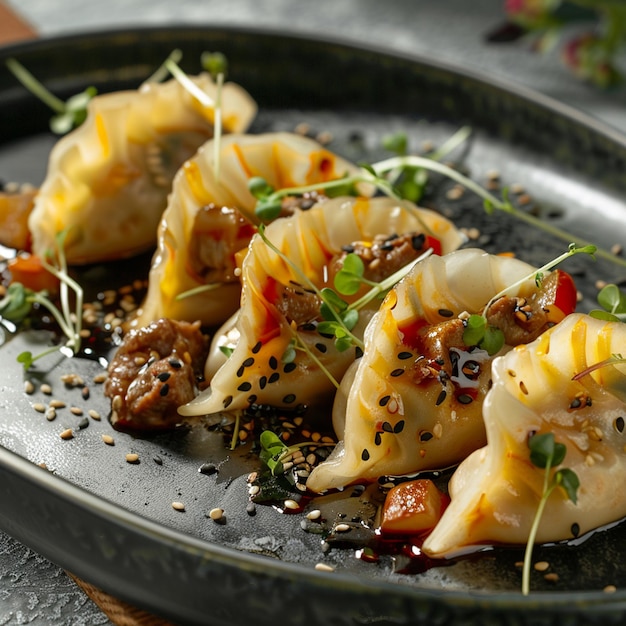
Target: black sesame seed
464,398
399,427
157,459
575,528
321,347
386,247
384,400
262,382
575,403
619,424
387,427
273,362
227,401
378,439
392,237
365,455
83,423
257,346
405,355
289,398
418,241
446,312
165,389
273,378
240,371
426,435
246,386
175,363
252,399
397,372
289,367
248,362
348,248
163,376
358,352
441,397
309,327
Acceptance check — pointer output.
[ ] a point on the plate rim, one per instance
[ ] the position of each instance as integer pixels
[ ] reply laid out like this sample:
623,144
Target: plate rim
12,462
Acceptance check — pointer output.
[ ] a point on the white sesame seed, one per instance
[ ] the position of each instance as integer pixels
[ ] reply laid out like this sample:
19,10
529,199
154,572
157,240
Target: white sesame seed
108,440
178,506
342,528
132,457
40,408
67,434
314,514
29,387
216,514
291,504
542,566
75,410
93,414
323,567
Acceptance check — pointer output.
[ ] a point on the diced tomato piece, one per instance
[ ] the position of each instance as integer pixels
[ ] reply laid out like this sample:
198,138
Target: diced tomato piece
413,507
434,243
566,296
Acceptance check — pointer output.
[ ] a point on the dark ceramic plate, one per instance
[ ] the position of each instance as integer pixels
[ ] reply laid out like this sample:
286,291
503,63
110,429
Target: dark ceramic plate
112,523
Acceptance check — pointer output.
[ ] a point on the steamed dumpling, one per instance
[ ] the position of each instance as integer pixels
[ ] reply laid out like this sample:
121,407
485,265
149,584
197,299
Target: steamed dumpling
495,491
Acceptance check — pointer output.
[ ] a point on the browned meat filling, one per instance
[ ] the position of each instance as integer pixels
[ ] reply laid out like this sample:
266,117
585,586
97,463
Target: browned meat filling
155,371
522,320
218,234
290,204
298,305
386,254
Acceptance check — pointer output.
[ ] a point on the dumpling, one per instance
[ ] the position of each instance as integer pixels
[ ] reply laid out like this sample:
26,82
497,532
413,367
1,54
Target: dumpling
205,223
496,490
108,180
277,306
413,401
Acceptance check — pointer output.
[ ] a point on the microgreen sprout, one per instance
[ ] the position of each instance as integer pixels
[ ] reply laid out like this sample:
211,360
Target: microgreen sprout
613,302
69,114
546,453
18,302
479,333
274,450
410,180
162,72
333,307
216,64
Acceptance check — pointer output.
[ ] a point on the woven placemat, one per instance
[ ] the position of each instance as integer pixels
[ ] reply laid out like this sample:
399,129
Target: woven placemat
120,613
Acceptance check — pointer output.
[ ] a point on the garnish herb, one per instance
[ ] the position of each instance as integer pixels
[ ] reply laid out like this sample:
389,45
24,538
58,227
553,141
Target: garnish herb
479,333
216,64
19,300
69,114
338,317
546,453
274,450
410,181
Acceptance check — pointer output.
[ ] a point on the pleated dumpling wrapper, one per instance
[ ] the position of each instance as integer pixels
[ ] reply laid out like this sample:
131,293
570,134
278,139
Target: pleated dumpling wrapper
495,492
279,309
414,400
210,216
108,180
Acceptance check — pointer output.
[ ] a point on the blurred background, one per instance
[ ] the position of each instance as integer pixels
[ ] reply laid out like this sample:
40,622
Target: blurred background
570,51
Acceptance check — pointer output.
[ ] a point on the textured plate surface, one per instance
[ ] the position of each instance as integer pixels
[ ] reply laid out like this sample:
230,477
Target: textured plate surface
112,523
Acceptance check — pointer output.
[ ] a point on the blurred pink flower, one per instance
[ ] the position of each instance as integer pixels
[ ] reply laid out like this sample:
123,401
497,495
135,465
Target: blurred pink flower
588,56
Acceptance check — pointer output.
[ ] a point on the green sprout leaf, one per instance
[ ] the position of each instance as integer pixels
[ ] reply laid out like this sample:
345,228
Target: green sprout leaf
349,278
214,63
546,453
68,115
